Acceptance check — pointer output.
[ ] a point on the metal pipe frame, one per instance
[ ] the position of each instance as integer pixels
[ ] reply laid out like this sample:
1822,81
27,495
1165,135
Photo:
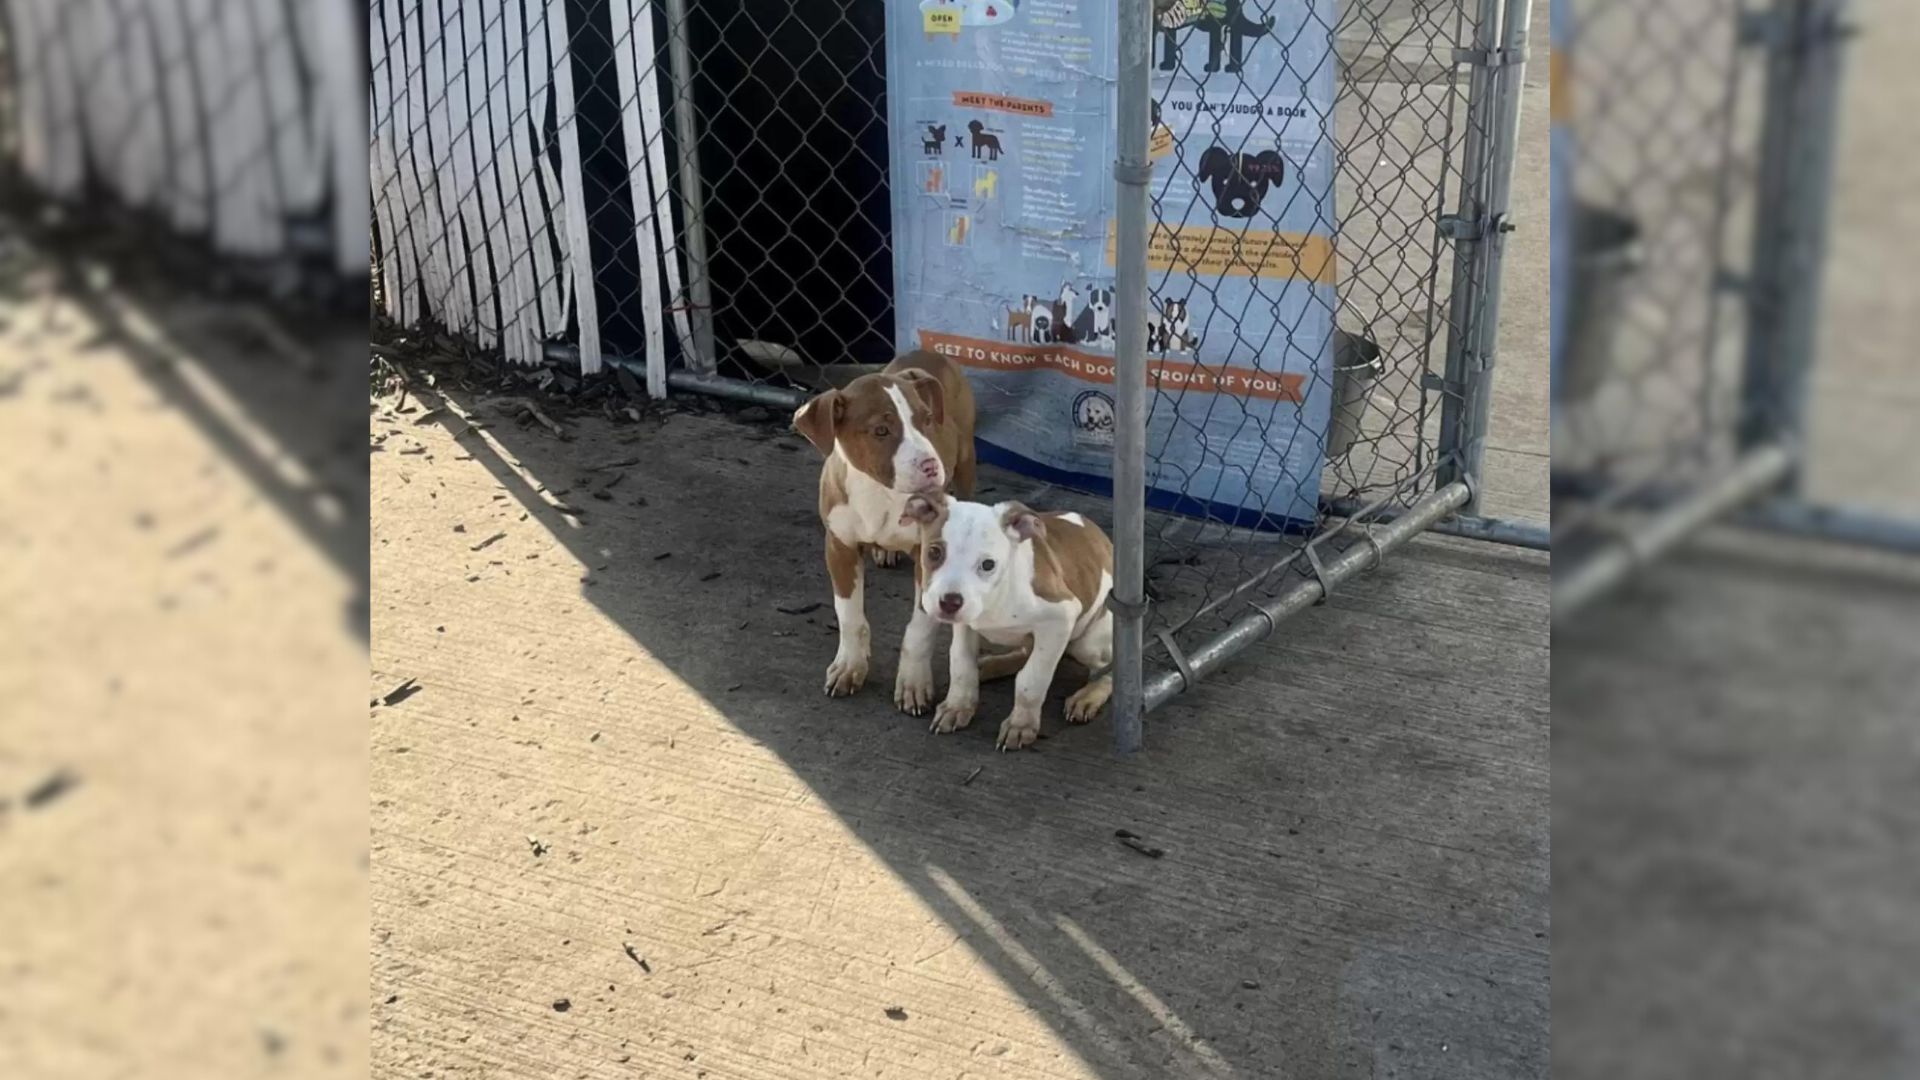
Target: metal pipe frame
1843,524
686,122
1265,617
1521,534
1509,85
1132,170
1757,472
1795,186
1464,301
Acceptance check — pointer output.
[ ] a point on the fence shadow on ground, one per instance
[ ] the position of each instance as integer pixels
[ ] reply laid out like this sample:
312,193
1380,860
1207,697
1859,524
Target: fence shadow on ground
1355,877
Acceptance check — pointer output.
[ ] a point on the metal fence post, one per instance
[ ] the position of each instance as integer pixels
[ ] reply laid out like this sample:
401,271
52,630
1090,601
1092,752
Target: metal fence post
1131,172
1804,65
1479,229
687,133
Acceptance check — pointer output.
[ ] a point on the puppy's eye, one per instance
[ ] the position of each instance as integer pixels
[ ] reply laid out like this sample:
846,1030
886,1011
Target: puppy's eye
936,553
986,566
881,432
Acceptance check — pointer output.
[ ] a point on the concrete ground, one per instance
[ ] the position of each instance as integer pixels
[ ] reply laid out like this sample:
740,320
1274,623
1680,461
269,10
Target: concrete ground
1735,746
181,660
618,831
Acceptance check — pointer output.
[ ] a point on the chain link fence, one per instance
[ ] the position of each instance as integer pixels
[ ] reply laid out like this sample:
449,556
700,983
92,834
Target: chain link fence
734,198
1360,438
1699,156
234,126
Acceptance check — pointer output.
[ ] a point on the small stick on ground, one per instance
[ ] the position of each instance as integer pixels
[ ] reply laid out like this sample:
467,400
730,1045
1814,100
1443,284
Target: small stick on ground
971,775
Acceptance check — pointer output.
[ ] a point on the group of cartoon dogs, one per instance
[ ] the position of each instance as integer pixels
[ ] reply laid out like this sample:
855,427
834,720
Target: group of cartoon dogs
1064,321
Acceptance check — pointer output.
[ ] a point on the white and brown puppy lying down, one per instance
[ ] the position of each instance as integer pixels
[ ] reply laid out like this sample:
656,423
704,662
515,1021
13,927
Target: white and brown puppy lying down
1012,577
905,431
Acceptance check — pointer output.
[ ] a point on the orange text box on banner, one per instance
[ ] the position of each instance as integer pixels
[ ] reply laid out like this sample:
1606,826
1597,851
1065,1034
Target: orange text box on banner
990,355
969,99
1212,251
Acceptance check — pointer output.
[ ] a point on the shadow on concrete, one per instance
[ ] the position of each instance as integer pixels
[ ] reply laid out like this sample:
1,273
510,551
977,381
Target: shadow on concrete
1355,821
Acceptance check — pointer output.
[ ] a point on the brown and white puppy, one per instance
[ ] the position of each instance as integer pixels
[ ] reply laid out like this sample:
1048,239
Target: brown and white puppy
1013,577
903,432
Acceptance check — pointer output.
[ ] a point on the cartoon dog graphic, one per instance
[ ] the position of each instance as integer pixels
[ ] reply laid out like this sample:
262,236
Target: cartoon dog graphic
1020,320
984,141
1169,328
1095,321
936,140
1240,181
1215,18
986,184
1064,314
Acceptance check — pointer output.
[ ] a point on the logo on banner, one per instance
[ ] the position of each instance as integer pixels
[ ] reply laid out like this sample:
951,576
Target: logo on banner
1093,419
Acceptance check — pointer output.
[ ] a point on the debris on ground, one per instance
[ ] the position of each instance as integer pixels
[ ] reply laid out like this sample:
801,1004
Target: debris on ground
46,791
488,542
802,609
538,845
400,693
710,575
976,772
561,1005
195,542
895,1012
1249,984
1133,841
634,955
663,555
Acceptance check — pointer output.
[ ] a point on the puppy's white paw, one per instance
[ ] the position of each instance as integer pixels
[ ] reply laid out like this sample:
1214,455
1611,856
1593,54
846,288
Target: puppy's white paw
1019,729
953,714
913,688
846,675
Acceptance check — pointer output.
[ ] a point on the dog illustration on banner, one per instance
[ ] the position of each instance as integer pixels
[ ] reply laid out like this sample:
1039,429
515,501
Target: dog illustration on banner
984,141
1240,181
1169,329
986,183
1064,320
936,141
1217,19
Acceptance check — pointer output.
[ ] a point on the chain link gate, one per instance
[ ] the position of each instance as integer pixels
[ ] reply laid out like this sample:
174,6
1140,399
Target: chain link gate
1704,134
1423,131
699,190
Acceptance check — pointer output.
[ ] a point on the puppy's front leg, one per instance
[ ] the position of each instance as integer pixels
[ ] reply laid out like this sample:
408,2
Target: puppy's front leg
963,682
1022,726
848,672
913,684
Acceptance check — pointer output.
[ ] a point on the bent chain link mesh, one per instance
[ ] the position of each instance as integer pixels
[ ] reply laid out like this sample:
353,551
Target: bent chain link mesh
1666,106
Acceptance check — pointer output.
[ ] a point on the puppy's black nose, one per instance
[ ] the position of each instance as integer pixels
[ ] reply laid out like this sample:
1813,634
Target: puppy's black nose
950,604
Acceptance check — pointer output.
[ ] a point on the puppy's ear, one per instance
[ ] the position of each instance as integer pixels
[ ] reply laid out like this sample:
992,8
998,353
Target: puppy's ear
1021,523
923,510
929,391
819,418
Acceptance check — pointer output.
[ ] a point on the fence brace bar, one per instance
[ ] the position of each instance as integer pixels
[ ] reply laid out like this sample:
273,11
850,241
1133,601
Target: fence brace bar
1844,524
1522,534
1757,472
1132,170
1266,617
